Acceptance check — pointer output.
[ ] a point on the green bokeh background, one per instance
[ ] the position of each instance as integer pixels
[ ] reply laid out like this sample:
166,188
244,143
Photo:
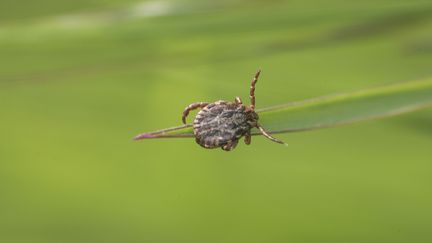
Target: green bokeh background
78,79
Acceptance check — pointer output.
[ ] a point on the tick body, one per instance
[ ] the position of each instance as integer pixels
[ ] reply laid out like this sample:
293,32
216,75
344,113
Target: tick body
222,124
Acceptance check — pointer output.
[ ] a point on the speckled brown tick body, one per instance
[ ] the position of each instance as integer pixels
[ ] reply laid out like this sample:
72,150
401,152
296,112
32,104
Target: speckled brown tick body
222,123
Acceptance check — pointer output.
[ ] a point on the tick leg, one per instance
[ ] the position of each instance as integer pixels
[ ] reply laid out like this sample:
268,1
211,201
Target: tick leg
238,101
252,90
265,133
230,145
192,106
248,138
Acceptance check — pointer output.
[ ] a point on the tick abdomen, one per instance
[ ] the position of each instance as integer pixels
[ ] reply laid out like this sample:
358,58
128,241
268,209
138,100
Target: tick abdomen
220,123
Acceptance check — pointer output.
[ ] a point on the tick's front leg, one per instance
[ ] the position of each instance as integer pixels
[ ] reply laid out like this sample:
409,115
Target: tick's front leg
252,90
267,135
191,107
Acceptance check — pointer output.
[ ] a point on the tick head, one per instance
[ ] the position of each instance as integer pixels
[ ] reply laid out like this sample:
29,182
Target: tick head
252,117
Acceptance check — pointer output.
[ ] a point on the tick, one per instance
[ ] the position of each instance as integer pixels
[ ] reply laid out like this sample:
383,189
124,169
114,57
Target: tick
222,123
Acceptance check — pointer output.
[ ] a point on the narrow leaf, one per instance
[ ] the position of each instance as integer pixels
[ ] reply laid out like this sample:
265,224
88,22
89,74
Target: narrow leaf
332,110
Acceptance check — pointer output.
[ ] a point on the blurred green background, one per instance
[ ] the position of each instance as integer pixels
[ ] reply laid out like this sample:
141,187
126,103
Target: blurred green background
78,79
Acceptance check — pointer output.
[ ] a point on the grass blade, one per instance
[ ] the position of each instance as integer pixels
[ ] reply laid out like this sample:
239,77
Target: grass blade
333,110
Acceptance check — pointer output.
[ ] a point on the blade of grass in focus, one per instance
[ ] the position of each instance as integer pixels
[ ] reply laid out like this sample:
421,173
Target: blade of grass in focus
333,110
